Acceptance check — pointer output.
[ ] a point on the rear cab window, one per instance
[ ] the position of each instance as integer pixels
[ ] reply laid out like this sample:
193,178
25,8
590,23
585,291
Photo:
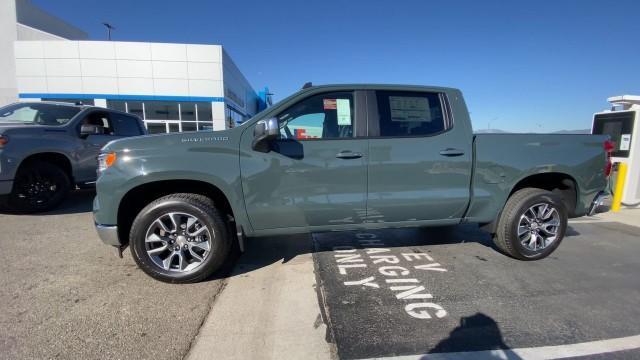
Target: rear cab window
409,114
125,125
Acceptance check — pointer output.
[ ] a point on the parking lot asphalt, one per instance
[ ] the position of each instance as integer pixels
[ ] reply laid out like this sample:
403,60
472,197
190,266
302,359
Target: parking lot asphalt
65,295
446,290
382,293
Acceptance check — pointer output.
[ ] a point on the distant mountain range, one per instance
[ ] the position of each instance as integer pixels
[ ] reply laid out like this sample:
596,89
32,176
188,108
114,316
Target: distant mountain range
498,131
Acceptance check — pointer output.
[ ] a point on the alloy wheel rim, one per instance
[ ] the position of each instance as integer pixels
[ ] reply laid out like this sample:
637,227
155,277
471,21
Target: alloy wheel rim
539,226
36,189
178,242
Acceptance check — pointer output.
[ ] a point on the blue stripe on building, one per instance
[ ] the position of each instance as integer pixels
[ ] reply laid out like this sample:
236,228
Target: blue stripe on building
120,97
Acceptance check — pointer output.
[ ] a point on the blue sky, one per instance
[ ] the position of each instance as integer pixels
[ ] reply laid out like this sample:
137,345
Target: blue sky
522,65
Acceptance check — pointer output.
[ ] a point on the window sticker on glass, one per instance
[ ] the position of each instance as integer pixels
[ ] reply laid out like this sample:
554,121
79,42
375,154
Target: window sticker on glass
344,111
329,104
625,142
404,108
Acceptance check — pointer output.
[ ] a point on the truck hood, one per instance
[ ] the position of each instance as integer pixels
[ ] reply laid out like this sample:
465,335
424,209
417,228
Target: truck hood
175,141
12,128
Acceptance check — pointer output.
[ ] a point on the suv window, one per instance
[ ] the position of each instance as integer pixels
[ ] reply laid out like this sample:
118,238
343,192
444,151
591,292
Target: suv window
323,116
410,113
100,119
39,114
125,125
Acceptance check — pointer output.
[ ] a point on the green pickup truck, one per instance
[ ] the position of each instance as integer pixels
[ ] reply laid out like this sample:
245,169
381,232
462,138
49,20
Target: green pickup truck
342,157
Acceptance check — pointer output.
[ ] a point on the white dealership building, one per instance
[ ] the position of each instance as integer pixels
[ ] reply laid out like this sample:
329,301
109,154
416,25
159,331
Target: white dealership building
172,87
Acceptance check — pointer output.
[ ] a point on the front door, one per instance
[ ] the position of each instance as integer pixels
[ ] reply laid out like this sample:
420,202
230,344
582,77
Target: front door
111,126
316,174
419,159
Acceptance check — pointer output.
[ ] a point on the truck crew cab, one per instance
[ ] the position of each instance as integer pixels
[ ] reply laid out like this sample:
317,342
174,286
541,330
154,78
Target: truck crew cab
336,158
47,148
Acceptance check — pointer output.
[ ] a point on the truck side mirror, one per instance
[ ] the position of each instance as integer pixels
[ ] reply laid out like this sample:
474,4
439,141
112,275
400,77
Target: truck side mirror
264,132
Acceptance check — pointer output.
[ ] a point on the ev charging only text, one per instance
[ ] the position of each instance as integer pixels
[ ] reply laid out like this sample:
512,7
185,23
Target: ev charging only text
394,272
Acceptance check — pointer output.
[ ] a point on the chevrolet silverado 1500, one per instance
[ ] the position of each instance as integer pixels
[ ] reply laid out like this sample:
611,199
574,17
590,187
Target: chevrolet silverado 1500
337,158
47,148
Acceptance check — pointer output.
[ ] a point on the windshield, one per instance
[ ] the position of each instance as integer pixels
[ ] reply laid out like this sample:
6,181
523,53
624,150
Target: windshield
37,114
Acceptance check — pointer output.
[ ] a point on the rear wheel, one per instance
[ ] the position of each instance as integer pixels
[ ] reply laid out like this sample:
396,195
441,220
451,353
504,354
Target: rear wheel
180,238
38,186
532,224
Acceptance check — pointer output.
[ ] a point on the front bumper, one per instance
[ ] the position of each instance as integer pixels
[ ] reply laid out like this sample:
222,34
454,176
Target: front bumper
601,203
6,186
108,234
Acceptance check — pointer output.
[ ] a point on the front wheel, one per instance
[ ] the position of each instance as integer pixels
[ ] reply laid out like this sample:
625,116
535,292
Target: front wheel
532,224
179,238
38,186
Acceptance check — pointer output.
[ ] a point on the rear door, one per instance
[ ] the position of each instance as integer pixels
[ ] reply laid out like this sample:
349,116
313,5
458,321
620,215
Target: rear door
419,158
316,173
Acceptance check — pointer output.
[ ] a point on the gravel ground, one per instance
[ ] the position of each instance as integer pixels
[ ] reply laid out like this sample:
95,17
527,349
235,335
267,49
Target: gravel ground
66,295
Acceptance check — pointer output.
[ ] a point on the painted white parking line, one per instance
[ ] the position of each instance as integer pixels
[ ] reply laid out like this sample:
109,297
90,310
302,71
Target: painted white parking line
584,221
535,353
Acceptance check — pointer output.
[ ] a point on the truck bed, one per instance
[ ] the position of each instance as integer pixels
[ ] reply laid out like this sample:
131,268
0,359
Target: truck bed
503,160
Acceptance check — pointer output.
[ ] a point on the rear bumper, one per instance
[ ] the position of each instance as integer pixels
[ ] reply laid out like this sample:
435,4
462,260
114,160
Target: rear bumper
108,234
601,203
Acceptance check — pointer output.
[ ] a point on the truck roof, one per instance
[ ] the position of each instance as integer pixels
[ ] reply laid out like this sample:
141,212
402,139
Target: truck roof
379,87
60,103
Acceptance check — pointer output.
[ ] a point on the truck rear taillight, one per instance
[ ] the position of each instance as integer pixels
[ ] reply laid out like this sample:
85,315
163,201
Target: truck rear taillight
3,141
609,146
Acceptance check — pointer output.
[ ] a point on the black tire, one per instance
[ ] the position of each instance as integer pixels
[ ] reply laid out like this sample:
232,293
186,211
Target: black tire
506,237
38,186
202,208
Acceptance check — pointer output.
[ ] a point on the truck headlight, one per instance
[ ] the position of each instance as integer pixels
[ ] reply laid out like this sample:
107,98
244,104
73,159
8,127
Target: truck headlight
105,160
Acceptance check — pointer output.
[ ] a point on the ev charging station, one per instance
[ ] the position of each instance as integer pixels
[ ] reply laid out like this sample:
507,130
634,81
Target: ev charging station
622,124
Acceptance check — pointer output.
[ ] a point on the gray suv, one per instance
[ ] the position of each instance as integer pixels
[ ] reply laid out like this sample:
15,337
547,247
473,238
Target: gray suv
48,148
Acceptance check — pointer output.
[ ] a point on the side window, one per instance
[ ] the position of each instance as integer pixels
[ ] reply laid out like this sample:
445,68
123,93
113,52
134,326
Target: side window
410,113
323,116
101,120
125,125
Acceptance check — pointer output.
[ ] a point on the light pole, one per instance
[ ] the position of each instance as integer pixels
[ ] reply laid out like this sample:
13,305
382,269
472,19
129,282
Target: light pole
109,28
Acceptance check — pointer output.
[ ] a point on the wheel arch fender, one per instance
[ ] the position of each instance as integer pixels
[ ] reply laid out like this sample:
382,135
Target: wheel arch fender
58,158
143,189
561,183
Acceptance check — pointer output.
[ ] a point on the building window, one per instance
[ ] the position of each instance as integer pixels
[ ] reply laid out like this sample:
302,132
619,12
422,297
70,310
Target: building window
132,107
136,107
117,105
189,126
187,111
204,111
161,110
156,128
205,126
166,116
205,116
174,127
233,117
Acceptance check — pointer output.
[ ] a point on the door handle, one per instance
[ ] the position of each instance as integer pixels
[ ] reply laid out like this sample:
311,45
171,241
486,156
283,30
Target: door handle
348,154
451,152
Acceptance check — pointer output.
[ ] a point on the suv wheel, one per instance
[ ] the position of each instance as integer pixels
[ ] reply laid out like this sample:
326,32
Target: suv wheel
180,238
38,186
532,224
